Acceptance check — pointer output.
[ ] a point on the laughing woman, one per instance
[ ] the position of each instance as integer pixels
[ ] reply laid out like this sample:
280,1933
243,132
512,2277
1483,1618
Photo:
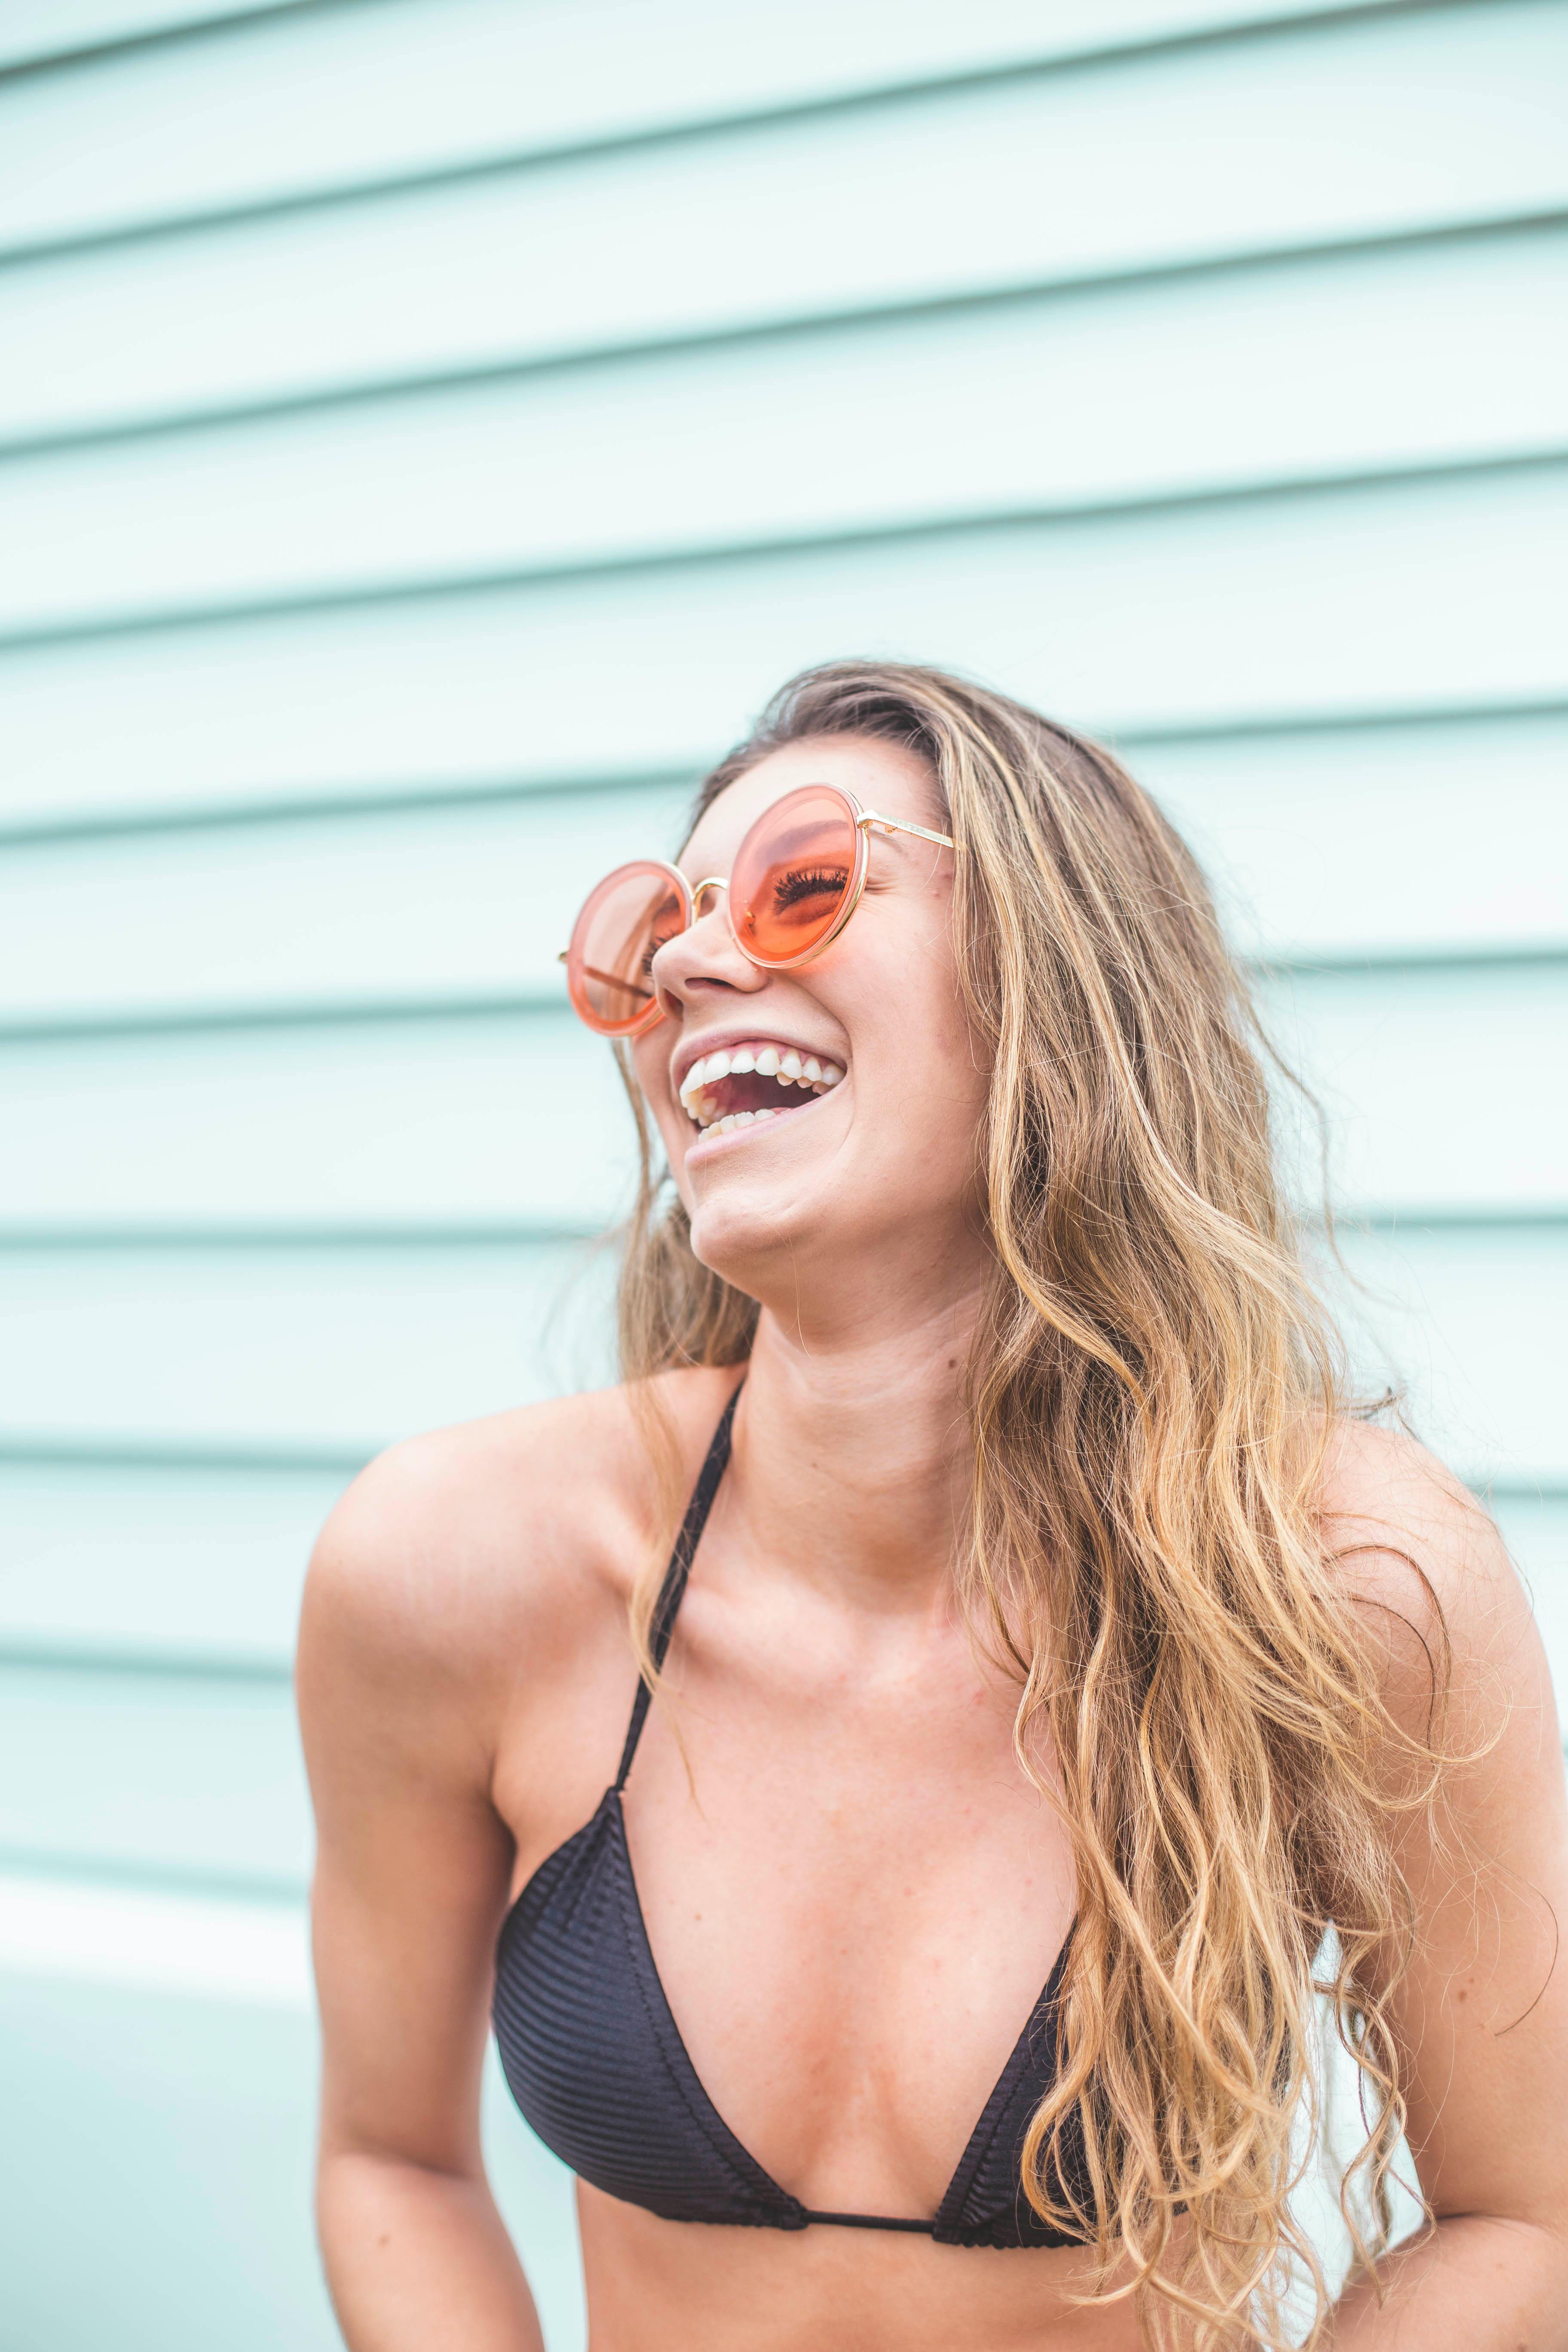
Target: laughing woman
1045,1654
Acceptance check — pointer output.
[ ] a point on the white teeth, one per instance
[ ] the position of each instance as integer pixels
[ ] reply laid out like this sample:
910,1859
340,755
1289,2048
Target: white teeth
708,1072
732,1119
789,1067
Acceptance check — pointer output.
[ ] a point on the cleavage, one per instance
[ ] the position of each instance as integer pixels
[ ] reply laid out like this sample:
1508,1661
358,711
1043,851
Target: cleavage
853,1911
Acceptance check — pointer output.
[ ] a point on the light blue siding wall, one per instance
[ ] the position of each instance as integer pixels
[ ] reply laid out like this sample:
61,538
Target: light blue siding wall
429,428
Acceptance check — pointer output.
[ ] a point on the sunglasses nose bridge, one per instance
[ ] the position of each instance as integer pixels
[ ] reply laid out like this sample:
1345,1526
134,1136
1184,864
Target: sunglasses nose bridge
709,882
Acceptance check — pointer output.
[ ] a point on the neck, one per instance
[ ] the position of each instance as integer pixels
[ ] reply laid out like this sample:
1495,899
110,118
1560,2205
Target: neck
852,1458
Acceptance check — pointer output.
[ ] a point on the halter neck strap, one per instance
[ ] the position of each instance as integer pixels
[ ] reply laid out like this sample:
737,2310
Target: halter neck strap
667,1606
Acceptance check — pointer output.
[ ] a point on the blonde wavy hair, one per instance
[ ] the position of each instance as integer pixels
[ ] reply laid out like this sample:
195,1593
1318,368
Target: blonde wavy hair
1151,1393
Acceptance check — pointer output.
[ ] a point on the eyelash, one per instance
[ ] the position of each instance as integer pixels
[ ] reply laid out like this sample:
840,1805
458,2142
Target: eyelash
807,882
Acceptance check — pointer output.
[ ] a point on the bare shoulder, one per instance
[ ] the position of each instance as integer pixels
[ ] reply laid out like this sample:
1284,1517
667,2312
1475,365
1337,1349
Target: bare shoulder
457,1555
1389,1504
1426,1561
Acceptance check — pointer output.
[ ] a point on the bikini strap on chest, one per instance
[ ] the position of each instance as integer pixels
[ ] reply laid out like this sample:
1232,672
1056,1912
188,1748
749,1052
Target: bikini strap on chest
671,1591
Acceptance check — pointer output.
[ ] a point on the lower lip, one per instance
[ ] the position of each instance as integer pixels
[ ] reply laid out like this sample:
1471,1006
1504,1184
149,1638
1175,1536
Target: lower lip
705,1141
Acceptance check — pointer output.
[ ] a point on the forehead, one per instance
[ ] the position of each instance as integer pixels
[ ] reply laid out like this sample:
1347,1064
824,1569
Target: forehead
882,776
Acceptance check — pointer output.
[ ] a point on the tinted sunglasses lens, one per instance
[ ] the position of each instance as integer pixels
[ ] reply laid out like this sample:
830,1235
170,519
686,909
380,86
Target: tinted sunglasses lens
623,925
795,868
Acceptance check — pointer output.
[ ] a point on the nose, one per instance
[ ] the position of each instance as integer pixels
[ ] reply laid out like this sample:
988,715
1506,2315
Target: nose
704,961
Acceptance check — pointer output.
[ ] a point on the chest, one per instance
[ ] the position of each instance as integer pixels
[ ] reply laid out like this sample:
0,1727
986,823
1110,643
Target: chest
854,1897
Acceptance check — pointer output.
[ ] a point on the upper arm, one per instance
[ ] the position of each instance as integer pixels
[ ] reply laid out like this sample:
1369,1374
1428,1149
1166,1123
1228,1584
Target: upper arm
1480,2010
413,1858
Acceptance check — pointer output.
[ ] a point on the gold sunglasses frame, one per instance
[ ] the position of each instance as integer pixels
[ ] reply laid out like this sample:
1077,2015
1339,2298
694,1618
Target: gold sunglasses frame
866,823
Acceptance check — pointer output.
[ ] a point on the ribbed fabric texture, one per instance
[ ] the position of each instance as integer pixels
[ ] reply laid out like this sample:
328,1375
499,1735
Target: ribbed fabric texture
596,2064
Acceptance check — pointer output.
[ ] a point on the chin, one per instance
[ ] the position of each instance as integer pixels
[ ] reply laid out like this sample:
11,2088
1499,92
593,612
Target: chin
747,1232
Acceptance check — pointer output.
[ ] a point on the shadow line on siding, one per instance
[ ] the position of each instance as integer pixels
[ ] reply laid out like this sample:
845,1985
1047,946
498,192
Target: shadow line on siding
875,97
792,327
371,594
47,826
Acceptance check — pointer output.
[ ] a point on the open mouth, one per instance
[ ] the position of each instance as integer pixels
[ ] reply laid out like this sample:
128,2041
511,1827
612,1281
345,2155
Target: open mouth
739,1085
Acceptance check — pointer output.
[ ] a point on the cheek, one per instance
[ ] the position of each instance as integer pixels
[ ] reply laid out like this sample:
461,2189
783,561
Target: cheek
932,1126
917,1003
923,1085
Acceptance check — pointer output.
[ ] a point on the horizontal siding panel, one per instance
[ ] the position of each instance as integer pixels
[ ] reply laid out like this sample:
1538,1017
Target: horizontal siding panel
321,1350
1428,838
1338,842
1383,362
1145,165
152,1772
517,1120
155,1562
1439,1084
1429,595
345,1348
402,905
1467,1321
461,280
342,96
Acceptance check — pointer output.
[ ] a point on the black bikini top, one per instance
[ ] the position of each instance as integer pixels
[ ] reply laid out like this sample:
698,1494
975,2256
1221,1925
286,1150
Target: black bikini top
596,2060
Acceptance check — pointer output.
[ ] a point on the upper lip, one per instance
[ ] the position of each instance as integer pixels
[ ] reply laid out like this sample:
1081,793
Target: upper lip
696,1049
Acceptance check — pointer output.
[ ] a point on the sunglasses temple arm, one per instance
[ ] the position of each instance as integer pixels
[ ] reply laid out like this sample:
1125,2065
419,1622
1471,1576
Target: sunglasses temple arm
612,980
896,825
